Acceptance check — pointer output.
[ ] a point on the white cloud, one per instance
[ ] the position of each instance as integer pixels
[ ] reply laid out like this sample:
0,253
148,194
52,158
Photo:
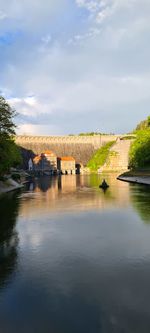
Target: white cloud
29,106
32,129
67,68
91,5
92,33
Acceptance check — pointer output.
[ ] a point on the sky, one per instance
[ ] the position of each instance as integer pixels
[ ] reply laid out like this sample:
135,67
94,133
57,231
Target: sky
71,66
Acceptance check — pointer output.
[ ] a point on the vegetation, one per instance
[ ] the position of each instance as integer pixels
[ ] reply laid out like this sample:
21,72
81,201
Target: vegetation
9,152
128,137
140,149
100,157
145,124
93,133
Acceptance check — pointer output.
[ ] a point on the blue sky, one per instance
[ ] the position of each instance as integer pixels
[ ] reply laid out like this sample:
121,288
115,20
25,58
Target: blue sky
69,66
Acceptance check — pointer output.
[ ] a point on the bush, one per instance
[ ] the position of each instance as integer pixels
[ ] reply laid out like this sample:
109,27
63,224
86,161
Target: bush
140,150
145,124
9,155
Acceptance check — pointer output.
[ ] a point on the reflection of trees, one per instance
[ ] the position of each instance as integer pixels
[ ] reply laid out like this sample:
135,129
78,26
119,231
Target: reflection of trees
8,236
140,197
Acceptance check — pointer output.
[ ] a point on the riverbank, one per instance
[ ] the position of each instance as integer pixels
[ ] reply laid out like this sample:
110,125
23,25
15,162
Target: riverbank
136,177
9,185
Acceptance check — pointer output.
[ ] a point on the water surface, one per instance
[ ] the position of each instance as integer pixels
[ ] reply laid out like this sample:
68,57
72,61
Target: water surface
75,259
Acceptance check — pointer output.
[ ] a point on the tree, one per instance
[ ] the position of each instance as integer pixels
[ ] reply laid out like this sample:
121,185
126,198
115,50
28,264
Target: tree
143,124
7,126
140,150
9,152
148,121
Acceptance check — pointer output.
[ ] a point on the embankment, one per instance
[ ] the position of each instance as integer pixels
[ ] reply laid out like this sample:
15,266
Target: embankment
136,177
9,185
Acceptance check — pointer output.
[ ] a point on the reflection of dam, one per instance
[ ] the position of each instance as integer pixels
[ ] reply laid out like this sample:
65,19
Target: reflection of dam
82,192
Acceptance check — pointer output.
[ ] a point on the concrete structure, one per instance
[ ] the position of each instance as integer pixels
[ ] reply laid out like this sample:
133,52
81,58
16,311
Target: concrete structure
81,148
66,165
118,159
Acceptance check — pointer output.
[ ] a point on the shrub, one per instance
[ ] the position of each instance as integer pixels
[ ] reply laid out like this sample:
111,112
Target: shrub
140,150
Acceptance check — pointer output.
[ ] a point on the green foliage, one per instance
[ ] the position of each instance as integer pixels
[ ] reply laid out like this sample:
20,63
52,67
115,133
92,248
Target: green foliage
100,157
9,155
9,152
7,127
88,134
140,150
145,124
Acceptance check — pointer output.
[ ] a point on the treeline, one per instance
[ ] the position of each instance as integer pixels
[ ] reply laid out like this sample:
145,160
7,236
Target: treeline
140,149
9,153
91,134
94,133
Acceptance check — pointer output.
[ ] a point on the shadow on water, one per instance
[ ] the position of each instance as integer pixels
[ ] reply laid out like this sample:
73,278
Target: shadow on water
43,183
8,236
140,199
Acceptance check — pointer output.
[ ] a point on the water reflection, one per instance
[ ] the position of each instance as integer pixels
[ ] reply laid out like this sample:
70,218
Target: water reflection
140,198
83,261
8,236
83,193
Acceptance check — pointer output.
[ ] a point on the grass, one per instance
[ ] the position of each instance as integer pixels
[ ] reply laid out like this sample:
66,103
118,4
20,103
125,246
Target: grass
100,157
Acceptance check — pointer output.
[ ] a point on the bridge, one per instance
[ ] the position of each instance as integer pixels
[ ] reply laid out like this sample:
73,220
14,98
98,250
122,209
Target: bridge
80,147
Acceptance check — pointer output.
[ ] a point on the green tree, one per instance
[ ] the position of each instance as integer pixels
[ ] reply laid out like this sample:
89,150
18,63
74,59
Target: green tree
7,126
9,152
148,121
140,150
144,124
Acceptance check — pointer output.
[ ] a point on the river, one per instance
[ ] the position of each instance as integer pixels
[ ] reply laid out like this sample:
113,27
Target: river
75,259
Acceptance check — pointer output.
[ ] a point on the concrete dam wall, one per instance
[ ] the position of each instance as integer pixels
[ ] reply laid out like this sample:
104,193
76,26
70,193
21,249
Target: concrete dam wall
80,147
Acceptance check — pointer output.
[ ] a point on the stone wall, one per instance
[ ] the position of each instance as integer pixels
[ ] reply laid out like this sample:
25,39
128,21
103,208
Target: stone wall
80,147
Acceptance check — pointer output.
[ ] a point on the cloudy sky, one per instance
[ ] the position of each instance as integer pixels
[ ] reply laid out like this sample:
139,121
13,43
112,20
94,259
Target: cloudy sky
69,66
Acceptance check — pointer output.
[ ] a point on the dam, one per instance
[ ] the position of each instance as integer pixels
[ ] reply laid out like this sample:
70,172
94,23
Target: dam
80,147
